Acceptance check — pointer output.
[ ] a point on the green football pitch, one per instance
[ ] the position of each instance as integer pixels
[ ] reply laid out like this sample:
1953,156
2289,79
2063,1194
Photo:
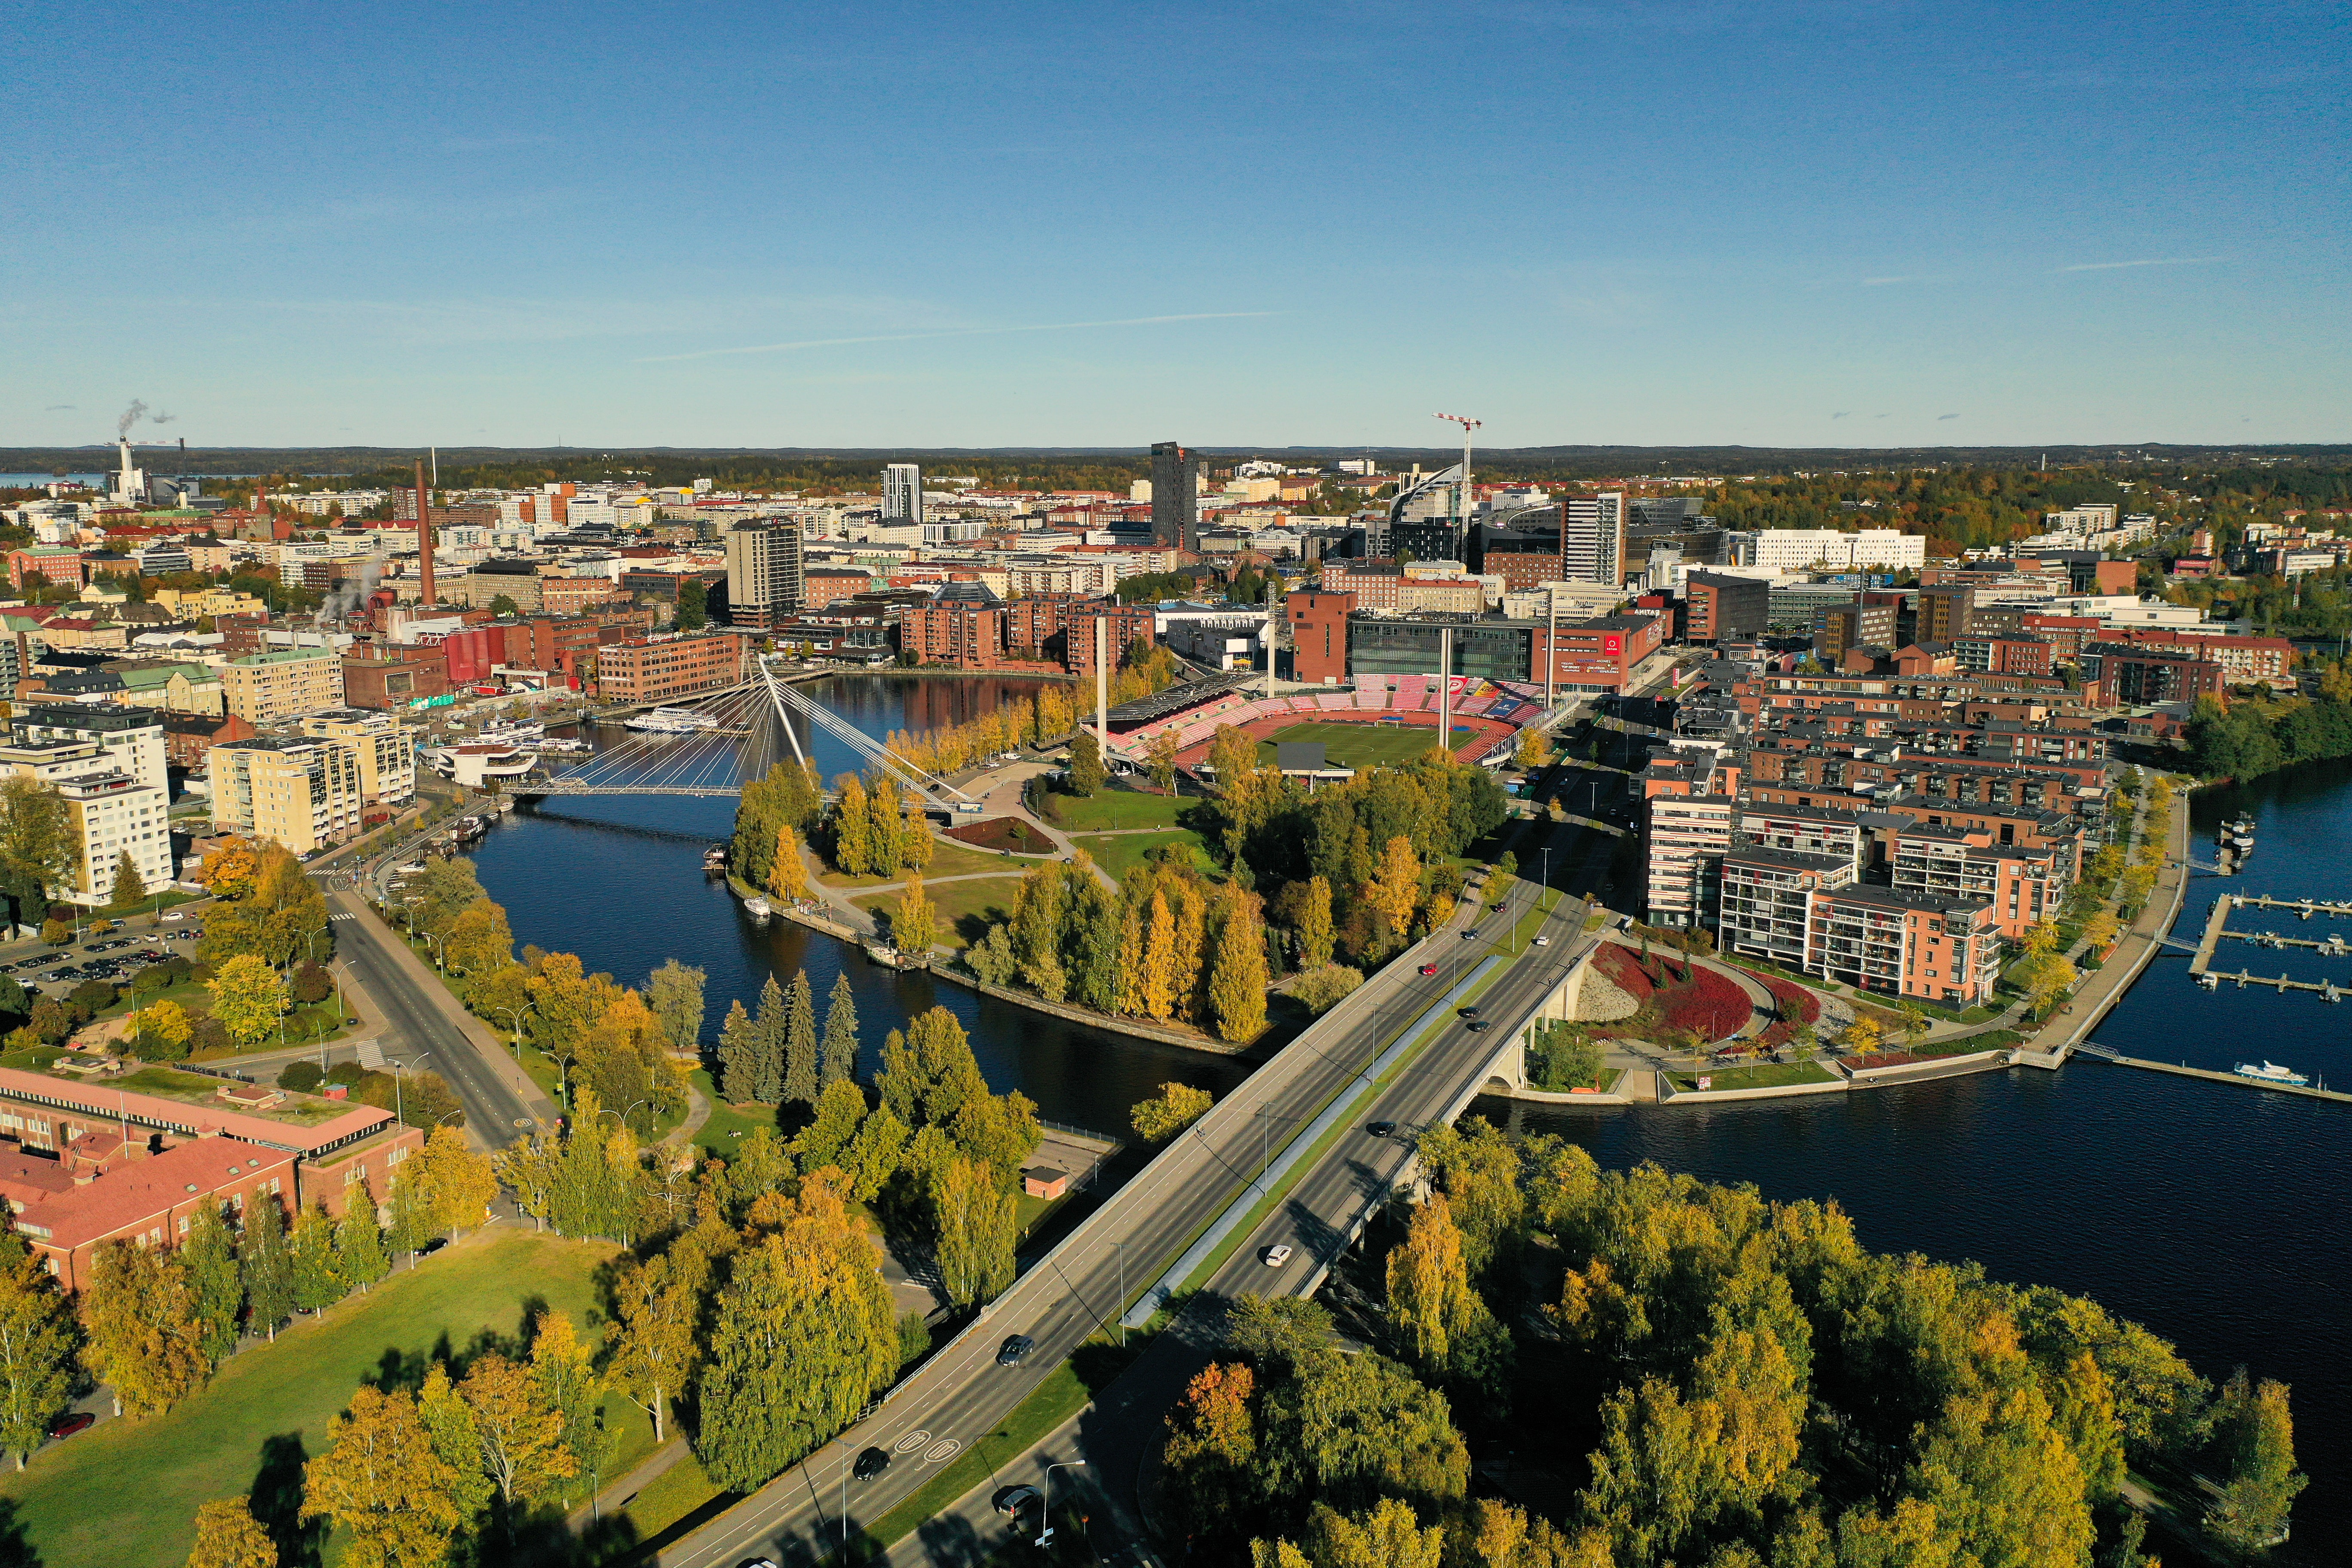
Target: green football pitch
1362,745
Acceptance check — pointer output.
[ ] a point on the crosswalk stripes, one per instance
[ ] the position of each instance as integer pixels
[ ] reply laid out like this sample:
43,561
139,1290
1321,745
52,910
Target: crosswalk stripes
345,916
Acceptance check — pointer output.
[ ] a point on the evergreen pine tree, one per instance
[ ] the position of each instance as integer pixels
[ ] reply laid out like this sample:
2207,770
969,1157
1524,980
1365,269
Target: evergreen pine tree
213,1289
269,1270
768,1053
837,1054
799,1042
738,1056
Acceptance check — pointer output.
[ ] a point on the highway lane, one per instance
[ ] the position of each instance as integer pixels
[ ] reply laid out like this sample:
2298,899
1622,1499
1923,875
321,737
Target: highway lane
417,1025
962,1395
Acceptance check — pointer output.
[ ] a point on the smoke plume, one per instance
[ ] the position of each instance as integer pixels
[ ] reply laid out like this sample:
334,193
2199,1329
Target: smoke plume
130,416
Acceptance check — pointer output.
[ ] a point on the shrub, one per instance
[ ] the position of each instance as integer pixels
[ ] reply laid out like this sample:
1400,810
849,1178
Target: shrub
1320,989
95,996
312,983
149,1046
158,976
56,932
301,1077
51,1020
210,1034
1707,1001
346,1073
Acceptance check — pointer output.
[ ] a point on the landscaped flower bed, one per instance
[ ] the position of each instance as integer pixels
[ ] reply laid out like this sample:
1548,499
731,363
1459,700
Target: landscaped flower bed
1676,997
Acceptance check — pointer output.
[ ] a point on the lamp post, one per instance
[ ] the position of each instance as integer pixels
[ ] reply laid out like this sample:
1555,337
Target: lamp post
847,1461
514,1017
399,1104
1045,1501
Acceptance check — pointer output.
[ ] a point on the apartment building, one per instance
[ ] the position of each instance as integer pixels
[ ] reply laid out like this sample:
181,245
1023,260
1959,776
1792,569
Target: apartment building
110,810
385,750
1724,609
1686,837
1806,913
303,791
1865,549
131,738
264,689
958,632
2018,884
662,669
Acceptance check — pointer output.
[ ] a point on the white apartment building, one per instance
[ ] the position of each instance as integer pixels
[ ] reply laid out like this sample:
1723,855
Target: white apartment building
1866,549
111,814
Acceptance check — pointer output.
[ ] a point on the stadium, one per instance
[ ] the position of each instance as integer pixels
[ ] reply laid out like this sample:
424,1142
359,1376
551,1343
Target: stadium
1382,719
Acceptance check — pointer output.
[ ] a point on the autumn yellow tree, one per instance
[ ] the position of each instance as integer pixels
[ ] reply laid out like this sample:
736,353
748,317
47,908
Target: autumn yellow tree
1864,1036
1176,1107
247,998
521,1434
1395,886
380,1480
1314,925
1237,985
1157,985
1430,1297
143,1340
914,921
788,878
229,1536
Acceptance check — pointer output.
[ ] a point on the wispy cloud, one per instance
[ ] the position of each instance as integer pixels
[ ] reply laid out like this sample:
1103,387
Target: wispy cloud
1905,278
1847,414
2151,261
952,332
53,408
1941,418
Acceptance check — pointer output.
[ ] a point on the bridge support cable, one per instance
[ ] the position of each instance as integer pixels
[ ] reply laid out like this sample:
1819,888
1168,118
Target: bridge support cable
788,701
688,763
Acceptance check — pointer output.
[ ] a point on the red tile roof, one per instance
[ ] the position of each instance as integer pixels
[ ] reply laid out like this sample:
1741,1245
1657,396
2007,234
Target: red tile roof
140,1191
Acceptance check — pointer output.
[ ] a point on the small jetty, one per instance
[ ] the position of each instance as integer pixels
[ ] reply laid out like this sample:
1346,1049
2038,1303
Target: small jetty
2217,927
2182,1070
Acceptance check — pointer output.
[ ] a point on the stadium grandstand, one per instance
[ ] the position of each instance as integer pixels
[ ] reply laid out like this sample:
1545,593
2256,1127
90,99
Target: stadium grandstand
1382,718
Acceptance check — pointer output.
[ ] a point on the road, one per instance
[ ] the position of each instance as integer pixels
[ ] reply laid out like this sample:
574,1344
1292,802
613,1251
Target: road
421,1026
962,1395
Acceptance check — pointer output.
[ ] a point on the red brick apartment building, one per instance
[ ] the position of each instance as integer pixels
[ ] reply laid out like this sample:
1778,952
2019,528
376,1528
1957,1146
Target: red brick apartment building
85,1164
647,670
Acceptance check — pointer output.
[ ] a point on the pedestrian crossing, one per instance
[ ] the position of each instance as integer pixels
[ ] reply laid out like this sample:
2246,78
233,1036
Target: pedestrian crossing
344,916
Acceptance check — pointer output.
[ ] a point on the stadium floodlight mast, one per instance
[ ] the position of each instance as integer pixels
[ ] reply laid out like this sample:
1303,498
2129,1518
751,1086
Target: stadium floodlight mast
1462,491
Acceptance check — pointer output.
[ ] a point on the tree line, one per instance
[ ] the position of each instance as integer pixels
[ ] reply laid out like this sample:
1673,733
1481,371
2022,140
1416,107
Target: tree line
153,1323
1737,1382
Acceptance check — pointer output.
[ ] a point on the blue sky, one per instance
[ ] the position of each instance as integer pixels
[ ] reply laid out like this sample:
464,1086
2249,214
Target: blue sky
894,223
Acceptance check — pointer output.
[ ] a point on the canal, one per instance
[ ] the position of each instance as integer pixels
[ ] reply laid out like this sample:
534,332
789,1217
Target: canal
2202,1210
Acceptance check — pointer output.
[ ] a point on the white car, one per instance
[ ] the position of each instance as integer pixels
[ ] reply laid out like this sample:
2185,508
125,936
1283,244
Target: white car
174,915
1543,941
1277,1256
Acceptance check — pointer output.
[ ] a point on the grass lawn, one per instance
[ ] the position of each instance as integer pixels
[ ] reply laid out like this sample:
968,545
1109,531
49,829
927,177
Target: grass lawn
717,1135
126,1493
1122,852
1362,745
1107,809
1989,1040
966,910
1765,1074
947,860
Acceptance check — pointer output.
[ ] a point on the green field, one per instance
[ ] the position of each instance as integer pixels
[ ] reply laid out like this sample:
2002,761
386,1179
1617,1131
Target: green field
1766,1074
1107,809
1120,853
127,1492
1362,745
966,910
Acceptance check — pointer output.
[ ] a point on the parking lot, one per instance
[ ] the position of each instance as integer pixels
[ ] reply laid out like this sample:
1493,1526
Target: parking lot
114,957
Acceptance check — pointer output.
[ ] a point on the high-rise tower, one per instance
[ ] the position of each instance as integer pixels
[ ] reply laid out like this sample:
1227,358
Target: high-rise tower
1175,496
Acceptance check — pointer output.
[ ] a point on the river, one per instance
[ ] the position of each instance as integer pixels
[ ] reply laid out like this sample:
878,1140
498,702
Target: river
2200,1209
2187,1205
618,880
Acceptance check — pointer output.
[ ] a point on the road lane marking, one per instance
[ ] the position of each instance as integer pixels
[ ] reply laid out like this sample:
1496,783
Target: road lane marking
911,1441
940,1452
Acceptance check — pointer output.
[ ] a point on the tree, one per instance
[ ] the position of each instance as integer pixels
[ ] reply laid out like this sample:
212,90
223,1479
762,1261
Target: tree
1387,1535
503,606
1176,1107
163,1032
215,1289
267,1267
229,1536
565,1371
800,1084
1534,748
381,1480
657,1351
840,1107
2045,977
674,992
802,1336
478,940
317,1285
129,889
1864,1036
693,604
1158,984
1350,1429
142,1338
1315,924
38,845
37,1349
1210,1459
1086,763
738,1056
2254,1436
1237,985
838,1052
788,877
519,1433
1430,1297
914,921
2099,932
974,1215
1159,759
311,984
455,1184
853,838
247,998
1395,887
360,1259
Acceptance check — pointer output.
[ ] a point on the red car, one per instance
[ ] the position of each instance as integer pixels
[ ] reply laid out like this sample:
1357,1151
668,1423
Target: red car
72,1422
1428,969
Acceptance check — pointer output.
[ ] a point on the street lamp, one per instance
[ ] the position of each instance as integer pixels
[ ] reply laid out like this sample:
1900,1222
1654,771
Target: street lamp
622,1115
847,1461
1045,1501
399,1107
514,1017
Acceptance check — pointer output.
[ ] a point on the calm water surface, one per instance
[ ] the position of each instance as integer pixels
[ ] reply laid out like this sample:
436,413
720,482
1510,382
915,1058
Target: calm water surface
2211,1213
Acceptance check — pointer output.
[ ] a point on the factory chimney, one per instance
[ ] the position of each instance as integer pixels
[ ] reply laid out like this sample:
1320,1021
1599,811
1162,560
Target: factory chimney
424,535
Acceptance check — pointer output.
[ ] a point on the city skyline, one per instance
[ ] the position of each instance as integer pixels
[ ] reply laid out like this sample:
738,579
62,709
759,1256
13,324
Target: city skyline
1805,225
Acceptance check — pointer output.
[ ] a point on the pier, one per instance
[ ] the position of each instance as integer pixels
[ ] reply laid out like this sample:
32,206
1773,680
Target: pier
2183,1069
2217,926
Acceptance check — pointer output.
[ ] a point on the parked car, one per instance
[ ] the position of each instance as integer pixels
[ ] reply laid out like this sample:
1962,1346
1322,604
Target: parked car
1014,1349
72,1422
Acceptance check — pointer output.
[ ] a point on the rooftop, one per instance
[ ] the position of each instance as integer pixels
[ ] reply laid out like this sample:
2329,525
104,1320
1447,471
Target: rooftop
140,1188
190,1104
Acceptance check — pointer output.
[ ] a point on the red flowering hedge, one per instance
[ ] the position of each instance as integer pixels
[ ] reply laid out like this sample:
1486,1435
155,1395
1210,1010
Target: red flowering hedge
1707,1001
1623,971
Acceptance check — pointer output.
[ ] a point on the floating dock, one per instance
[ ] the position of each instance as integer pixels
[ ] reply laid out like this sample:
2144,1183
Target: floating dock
2183,1069
2217,926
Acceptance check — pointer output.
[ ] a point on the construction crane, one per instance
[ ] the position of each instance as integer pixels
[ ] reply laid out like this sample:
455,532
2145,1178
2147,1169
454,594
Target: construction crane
1462,491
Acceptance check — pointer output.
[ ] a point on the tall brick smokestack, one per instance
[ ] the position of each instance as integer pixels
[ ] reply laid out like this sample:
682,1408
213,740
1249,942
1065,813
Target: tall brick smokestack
424,534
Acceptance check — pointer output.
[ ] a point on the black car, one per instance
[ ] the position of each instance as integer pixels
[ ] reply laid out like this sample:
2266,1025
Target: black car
1478,1026
870,1463
1010,1501
1381,1129
434,1245
1013,1348
1466,1011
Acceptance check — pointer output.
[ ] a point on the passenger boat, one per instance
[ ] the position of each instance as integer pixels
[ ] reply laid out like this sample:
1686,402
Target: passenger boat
2270,1072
